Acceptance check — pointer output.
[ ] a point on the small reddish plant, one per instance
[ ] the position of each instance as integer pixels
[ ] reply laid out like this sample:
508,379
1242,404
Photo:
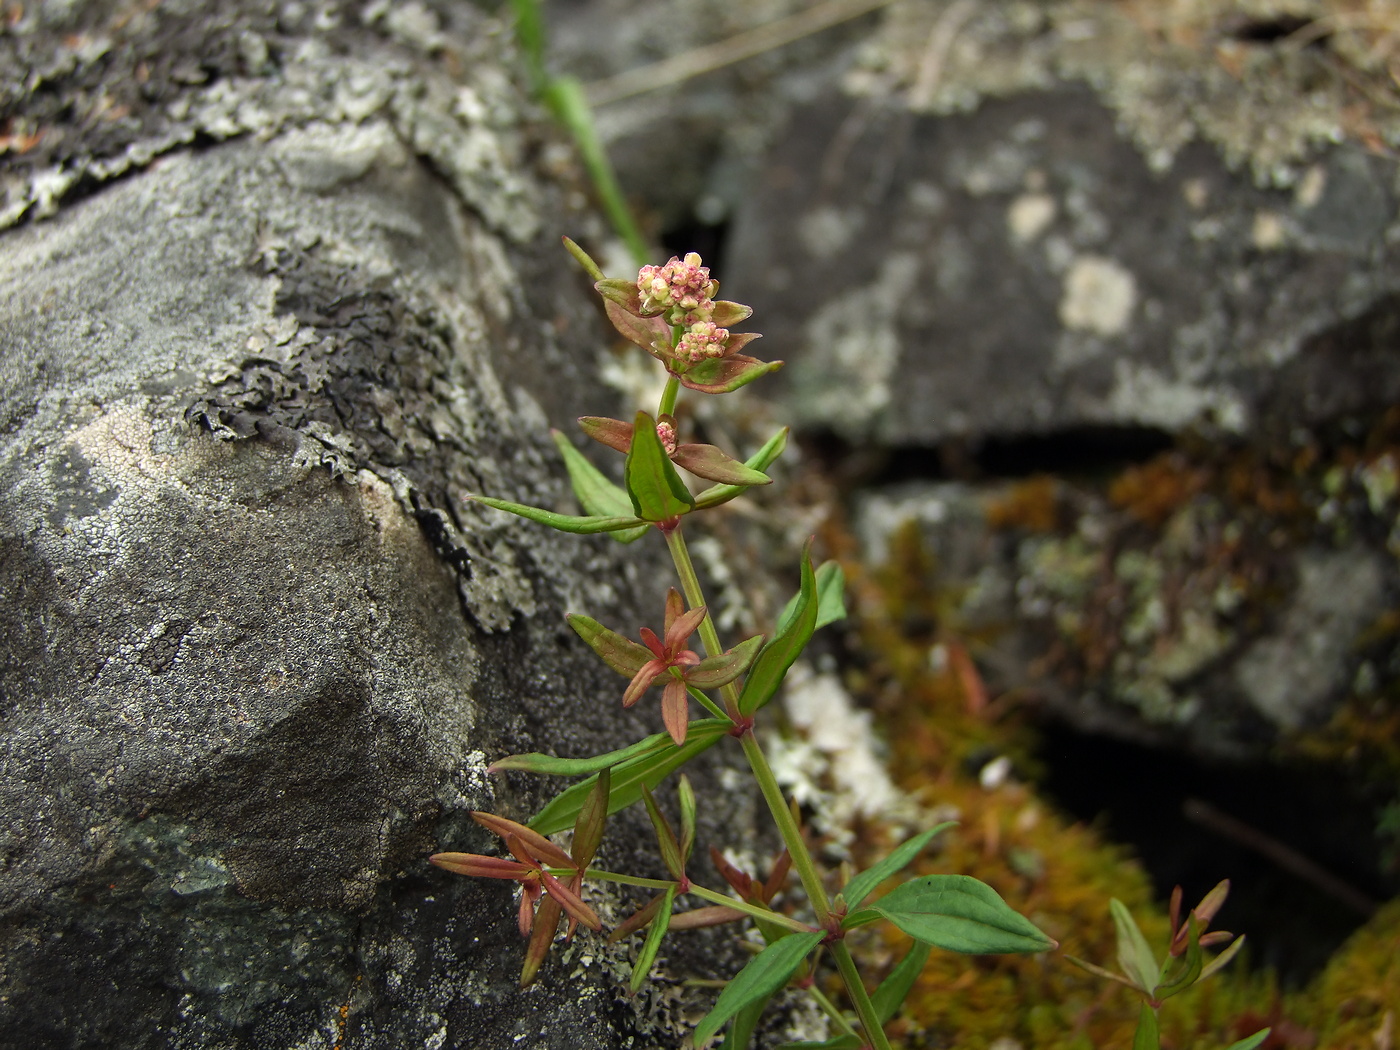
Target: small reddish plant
673,313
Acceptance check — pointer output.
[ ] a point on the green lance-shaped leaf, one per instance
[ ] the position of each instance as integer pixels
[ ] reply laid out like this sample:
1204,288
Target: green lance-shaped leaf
1146,1037
722,375
596,494
534,762
840,1042
959,914
628,777
1250,1042
890,995
623,655
1220,961
583,525
707,461
760,460
787,645
864,884
588,829
657,491
685,797
1189,970
1135,956
741,1029
580,256
655,933
831,595
665,837
765,973
722,668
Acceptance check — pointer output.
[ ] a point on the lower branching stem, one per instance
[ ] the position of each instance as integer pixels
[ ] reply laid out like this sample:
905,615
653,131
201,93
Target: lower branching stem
777,804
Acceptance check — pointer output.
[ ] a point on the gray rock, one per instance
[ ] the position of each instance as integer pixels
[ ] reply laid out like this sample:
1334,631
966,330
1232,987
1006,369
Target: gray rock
964,220
1210,628
1022,269
255,649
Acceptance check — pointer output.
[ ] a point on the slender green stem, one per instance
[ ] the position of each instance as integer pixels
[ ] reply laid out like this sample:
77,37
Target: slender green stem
613,876
865,1009
830,1009
668,396
708,704
694,597
787,827
777,804
766,914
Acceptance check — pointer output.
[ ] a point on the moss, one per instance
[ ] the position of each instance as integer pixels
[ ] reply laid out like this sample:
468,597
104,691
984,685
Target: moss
1059,872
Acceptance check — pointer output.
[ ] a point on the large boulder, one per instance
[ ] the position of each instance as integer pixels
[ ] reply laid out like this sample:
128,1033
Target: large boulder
255,649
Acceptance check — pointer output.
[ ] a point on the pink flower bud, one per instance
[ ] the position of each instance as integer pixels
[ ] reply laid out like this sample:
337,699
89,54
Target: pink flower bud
702,340
666,433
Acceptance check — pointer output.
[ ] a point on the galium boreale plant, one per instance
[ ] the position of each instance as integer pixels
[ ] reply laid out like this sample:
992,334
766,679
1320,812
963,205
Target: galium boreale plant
1183,966
673,313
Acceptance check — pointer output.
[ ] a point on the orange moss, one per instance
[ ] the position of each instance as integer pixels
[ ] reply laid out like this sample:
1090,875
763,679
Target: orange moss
1153,492
1032,505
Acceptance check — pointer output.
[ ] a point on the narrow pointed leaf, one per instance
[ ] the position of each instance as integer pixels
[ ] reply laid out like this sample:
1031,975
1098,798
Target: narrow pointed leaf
831,595
547,918
675,710
1135,956
760,460
1190,969
864,884
611,432
479,866
636,920
665,837
1099,971
581,525
960,914
840,1042
620,291
583,258
727,314
713,464
1250,1042
778,655
1220,961
721,375
765,973
534,762
595,493
890,995
623,655
652,334
740,1034
1146,1036
715,671
657,491
655,932
703,918
540,847
685,798
588,830
628,777
571,902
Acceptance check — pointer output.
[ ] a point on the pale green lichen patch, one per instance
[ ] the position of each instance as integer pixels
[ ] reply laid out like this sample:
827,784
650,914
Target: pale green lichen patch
1267,83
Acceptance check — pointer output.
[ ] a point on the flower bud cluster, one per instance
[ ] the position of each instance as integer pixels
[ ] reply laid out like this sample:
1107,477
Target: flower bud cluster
678,288
666,434
702,339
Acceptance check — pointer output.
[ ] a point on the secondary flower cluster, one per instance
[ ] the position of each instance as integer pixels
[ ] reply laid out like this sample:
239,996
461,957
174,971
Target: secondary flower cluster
671,312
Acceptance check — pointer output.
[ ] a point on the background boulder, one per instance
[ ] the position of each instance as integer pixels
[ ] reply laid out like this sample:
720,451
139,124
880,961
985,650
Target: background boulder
282,285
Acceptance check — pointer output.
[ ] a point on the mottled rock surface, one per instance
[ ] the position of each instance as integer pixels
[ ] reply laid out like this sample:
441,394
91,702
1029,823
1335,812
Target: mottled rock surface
1022,225
281,286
